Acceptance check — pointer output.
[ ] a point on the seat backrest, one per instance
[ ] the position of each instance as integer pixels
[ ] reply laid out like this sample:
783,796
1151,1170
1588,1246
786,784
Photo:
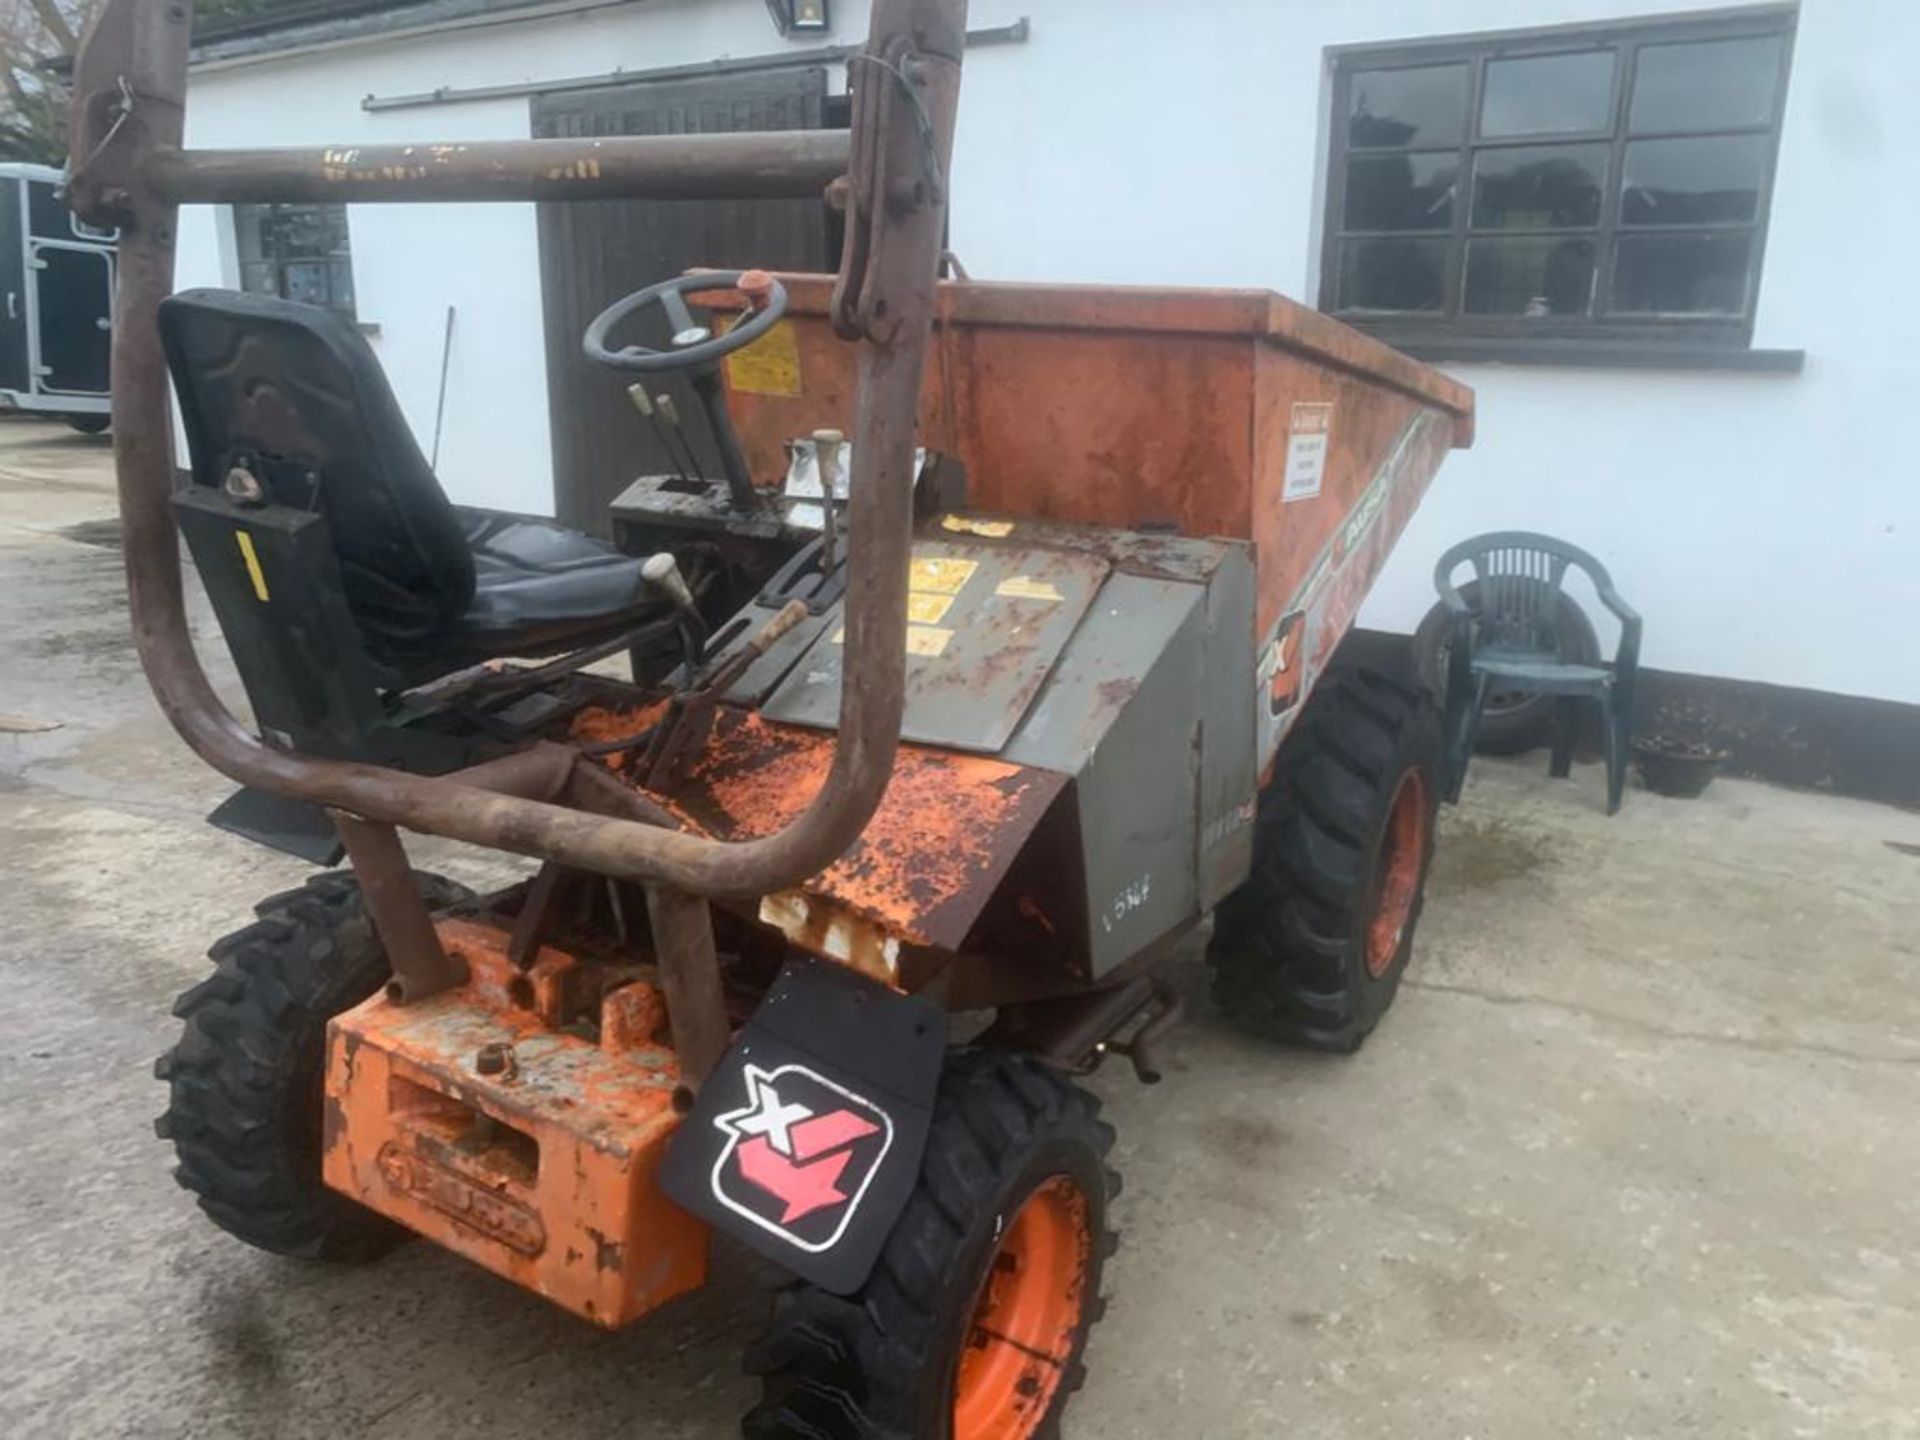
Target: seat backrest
1520,574
294,394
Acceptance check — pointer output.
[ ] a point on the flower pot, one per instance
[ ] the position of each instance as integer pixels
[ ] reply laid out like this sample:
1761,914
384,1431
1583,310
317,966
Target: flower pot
1681,768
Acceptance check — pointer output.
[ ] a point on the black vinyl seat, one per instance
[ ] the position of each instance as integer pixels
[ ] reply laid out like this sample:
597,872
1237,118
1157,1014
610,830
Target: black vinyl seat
293,394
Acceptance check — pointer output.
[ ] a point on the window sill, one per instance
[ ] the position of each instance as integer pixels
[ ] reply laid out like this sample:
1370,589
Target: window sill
1597,354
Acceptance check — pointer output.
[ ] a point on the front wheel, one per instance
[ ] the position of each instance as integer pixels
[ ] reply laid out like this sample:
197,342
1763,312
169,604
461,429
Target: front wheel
974,1322
245,1084
1310,950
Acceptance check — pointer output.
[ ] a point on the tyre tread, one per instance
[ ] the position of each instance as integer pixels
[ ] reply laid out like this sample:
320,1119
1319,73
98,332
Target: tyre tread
1282,951
237,1078
853,1369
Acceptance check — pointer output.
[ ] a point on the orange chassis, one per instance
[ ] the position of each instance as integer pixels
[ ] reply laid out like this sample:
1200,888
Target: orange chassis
485,1119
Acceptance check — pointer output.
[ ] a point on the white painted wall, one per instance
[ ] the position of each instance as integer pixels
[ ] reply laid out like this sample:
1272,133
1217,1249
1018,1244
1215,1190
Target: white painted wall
1765,525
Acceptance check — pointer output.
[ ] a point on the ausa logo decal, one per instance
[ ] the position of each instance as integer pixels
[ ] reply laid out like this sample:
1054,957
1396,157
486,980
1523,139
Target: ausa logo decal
799,1155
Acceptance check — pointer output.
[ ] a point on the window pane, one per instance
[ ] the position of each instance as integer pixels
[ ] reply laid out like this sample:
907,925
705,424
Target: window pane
310,230
1529,277
1682,274
1712,85
1427,106
1400,192
1538,187
1549,95
247,221
343,286
1693,182
310,281
299,252
1393,275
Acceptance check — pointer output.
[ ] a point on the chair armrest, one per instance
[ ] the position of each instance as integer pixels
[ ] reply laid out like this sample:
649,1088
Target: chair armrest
1626,659
1614,601
1461,625
1456,603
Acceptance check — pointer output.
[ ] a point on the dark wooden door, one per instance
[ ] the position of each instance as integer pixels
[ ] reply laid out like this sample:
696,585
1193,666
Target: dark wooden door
594,252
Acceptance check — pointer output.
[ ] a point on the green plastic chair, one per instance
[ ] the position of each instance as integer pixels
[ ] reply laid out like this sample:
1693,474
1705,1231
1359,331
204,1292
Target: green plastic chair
1507,635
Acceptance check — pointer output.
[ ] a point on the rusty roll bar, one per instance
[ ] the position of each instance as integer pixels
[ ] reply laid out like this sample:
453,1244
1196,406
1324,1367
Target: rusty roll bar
794,163
128,169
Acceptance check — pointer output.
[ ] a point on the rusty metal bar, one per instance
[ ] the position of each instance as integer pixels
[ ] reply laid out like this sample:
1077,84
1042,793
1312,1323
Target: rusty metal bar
130,85
530,928
551,772
796,163
421,964
690,976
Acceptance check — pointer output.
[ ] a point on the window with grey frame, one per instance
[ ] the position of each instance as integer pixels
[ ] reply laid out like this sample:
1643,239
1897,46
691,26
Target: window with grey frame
1599,185
298,252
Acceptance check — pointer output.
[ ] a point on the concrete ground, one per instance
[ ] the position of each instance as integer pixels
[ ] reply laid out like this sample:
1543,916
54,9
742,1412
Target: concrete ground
1634,1155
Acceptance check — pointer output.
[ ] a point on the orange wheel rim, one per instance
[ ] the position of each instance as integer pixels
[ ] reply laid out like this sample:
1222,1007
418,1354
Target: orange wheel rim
1020,1338
1403,853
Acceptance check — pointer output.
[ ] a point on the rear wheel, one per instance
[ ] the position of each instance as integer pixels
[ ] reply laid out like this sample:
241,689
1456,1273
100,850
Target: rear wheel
245,1083
90,424
974,1322
1311,949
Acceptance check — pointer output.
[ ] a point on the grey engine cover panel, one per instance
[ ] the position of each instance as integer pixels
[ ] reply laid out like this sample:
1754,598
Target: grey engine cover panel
1124,661
1151,710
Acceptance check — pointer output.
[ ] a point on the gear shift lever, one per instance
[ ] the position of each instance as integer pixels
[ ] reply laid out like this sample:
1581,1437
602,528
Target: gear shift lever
826,459
661,573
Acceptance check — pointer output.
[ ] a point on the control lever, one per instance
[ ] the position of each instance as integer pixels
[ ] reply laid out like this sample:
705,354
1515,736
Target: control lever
670,417
689,717
826,459
661,574
643,402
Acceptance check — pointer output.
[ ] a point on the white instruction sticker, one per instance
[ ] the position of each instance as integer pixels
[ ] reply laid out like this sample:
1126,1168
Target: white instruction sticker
1306,451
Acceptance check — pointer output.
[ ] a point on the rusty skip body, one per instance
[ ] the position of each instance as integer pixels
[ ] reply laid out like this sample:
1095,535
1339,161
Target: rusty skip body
128,168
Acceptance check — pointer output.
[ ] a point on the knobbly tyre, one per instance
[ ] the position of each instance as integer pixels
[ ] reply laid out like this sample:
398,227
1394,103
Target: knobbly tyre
998,648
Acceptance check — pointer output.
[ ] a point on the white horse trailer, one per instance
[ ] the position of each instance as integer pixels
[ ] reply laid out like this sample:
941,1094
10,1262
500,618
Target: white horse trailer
56,327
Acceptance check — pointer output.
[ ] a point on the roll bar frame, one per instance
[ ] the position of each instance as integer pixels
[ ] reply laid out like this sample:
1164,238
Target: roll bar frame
129,169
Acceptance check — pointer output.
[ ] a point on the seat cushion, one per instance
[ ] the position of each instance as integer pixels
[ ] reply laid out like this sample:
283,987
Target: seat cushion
1543,676
293,394
540,587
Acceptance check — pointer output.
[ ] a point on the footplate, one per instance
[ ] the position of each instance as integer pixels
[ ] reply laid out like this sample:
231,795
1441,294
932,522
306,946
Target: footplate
475,1119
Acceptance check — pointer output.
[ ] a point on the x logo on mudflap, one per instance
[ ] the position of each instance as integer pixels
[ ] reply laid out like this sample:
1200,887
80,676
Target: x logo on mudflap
799,1154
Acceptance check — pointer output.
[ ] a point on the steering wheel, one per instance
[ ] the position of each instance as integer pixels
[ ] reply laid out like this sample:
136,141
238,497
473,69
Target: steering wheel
694,346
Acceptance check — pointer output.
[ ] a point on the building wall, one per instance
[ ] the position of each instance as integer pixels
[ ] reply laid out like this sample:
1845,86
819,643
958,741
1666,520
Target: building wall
1765,524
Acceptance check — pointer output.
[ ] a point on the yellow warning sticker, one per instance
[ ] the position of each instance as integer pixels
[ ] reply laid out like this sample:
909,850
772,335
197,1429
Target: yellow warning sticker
928,609
921,639
966,525
927,640
769,366
254,572
1025,587
941,576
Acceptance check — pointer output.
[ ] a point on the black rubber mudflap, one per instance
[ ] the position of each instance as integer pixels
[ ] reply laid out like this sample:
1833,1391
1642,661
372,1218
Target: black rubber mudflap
806,1138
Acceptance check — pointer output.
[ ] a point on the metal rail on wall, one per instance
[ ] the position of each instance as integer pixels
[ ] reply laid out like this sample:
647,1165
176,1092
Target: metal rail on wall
128,169
1018,33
